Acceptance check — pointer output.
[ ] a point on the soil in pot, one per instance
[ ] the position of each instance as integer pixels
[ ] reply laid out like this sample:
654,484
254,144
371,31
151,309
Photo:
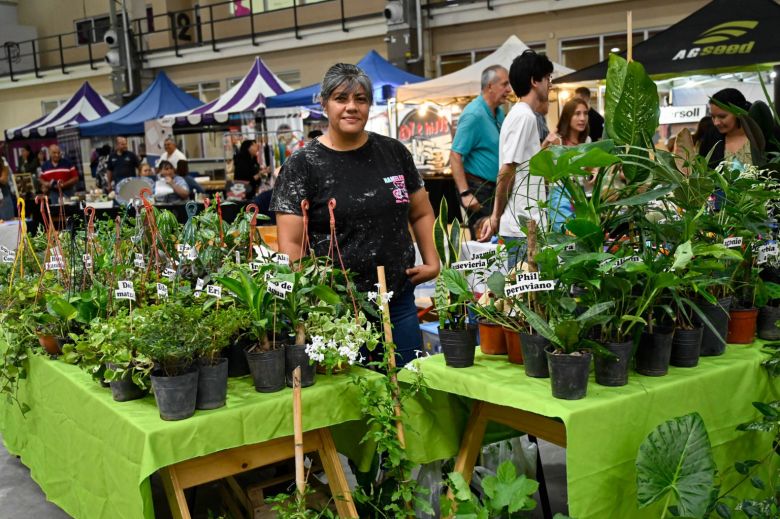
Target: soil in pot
295,355
742,326
237,363
459,346
212,384
124,390
51,343
491,339
513,348
654,352
176,396
718,315
767,317
569,374
614,372
534,356
685,348
267,368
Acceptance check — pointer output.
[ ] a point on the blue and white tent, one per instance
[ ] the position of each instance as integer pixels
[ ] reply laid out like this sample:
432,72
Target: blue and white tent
385,78
85,105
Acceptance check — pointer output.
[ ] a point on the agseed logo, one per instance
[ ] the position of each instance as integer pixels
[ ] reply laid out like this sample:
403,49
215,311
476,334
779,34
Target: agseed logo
721,33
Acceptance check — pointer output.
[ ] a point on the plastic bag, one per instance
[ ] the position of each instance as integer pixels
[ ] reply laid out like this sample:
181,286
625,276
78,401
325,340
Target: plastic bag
430,477
520,450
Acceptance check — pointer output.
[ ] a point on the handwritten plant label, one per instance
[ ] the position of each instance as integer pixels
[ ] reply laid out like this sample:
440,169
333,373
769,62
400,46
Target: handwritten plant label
199,284
127,293
4,251
280,289
630,259
570,247
169,273
281,259
530,286
162,291
214,291
765,251
476,264
482,255
87,260
139,261
255,266
125,285
732,243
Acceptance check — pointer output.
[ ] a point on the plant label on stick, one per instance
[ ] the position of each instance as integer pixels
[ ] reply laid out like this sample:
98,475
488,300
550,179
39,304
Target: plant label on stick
192,254
482,255
199,287
527,276
125,285
536,286
139,261
169,273
8,255
87,259
128,293
630,259
281,289
477,264
765,251
513,290
281,259
570,247
162,291
238,258
732,243
214,291
255,266
263,252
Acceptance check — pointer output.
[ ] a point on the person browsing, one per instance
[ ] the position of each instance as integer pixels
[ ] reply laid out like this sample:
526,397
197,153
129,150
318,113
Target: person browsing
379,196
474,155
172,154
57,174
122,164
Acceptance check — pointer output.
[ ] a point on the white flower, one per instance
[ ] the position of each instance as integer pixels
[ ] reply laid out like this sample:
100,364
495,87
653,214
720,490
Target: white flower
387,297
372,296
412,366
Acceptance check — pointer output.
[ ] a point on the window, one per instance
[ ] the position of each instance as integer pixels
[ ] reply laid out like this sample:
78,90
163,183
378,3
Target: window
243,7
48,107
454,61
92,30
291,77
207,91
579,53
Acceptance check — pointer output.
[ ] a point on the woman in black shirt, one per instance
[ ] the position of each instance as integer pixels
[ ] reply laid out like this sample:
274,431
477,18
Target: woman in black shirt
378,194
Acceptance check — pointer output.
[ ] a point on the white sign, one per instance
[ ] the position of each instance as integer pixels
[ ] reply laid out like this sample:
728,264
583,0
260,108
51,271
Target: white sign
169,273
87,259
162,291
630,259
282,259
570,247
255,266
9,258
280,289
4,250
125,294
139,261
192,254
476,264
263,252
54,265
125,285
481,255
530,286
765,251
682,114
215,291
238,258
732,243
199,286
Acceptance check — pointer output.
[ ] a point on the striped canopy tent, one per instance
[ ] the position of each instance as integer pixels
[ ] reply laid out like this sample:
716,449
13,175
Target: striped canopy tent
85,105
248,95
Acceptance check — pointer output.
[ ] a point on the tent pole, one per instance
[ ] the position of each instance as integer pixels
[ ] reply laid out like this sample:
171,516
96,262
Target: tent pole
630,37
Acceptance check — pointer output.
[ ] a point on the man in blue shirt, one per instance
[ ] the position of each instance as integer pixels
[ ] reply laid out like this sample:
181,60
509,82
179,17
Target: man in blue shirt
474,156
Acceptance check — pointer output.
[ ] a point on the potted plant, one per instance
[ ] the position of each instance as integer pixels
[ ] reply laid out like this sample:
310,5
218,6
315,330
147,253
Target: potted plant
768,301
54,325
167,335
213,333
335,342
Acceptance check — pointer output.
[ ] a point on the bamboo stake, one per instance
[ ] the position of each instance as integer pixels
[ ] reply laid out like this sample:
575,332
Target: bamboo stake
300,481
390,354
532,266
630,37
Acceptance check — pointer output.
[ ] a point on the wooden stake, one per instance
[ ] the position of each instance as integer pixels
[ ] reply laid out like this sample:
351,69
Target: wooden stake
300,481
390,354
532,267
630,37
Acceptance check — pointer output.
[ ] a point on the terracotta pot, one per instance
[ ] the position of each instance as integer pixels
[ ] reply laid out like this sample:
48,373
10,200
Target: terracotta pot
513,348
742,326
51,344
491,339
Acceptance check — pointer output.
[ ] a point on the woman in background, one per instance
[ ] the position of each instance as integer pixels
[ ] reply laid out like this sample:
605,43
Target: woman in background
170,187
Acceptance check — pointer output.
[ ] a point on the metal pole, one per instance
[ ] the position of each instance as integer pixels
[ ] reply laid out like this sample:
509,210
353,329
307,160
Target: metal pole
10,62
89,48
175,36
295,20
252,21
343,19
62,56
35,59
211,25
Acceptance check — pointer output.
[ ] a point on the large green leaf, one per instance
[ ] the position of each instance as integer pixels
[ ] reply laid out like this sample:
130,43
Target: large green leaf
616,76
455,282
634,117
677,457
539,325
59,307
326,294
587,231
682,256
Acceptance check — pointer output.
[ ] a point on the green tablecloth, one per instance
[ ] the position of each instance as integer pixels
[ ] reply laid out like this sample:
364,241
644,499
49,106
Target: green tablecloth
604,430
93,456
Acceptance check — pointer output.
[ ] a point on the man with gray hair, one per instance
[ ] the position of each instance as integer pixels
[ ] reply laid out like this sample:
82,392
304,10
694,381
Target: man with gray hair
474,156
172,153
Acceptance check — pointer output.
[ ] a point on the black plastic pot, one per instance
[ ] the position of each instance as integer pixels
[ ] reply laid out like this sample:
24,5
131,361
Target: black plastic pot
534,355
569,374
654,351
295,355
176,396
237,363
718,315
614,372
212,384
458,346
124,390
767,317
267,369
685,348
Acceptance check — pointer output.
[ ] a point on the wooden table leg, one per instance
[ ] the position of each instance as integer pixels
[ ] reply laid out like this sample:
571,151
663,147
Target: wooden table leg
339,488
175,493
471,443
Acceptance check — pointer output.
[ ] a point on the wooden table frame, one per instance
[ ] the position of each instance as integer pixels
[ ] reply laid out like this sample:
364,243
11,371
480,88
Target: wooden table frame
535,425
211,467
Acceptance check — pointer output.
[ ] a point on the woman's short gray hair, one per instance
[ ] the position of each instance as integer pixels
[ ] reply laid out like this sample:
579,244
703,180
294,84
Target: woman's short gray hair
351,77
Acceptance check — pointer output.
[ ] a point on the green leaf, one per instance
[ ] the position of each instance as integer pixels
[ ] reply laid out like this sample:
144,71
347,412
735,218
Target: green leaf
59,307
757,483
682,256
677,457
723,510
539,325
616,77
459,487
455,282
587,231
766,410
642,198
506,472
326,295
635,117
496,282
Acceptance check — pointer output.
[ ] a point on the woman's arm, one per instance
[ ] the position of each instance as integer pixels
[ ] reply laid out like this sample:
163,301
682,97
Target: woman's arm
289,234
182,190
4,173
421,219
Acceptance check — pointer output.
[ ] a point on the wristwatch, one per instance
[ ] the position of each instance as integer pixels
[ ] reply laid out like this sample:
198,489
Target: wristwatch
466,192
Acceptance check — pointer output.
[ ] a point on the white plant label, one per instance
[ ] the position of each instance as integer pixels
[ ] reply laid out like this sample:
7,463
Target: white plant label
512,290
630,259
268,275
199,284
4,250
192,254
470,264
128,293
282,259
169,273
162,291
533,286
570,247
139,261
527,276
9,258
263,252
125,285
214,291
238,258
732,243
182,249
255,266
482,255
280,289
765,251
87,259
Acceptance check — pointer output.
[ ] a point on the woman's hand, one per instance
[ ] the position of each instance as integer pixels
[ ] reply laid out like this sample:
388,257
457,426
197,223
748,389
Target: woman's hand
552,138
422,273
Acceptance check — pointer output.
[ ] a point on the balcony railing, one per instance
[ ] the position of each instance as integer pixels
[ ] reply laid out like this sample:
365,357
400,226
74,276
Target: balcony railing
205,26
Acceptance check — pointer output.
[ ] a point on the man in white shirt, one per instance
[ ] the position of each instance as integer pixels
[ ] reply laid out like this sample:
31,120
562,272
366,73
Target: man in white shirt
172,154
517,192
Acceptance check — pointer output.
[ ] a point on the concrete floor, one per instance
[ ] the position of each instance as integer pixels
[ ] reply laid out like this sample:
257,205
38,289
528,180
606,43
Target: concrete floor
21,498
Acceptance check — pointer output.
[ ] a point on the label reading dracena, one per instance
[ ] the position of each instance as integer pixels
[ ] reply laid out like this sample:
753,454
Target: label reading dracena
162,291
214,291
476,264
128,293
733,242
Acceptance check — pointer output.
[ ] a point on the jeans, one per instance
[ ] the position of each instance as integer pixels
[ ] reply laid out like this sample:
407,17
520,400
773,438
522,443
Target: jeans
406,327
516,248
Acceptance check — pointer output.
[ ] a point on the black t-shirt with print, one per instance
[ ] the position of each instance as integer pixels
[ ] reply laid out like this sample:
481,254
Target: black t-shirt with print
372,186
123,166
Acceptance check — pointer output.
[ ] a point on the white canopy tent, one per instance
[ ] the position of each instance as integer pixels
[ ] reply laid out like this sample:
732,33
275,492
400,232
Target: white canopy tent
466,82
